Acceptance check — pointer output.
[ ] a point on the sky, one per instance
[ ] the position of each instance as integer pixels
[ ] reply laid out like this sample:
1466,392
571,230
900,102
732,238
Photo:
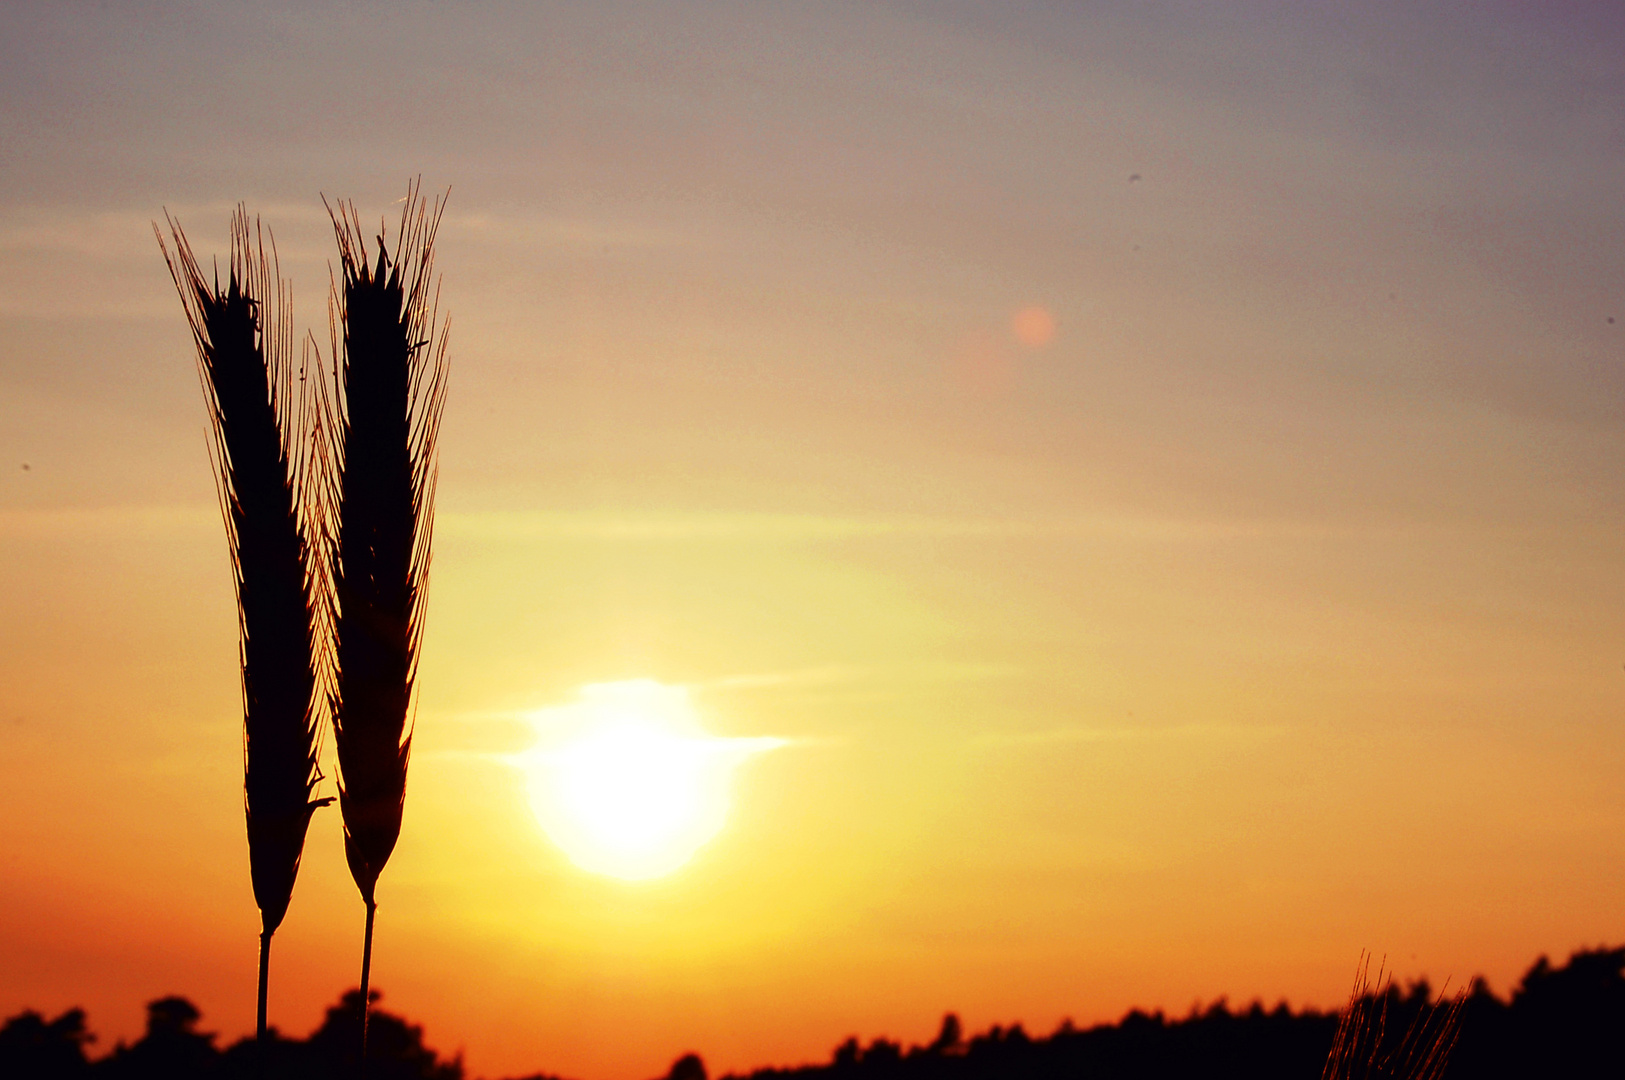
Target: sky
1153,473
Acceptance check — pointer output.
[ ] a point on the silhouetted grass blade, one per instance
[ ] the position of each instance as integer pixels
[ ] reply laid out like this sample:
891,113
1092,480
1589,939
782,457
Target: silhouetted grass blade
1365,1048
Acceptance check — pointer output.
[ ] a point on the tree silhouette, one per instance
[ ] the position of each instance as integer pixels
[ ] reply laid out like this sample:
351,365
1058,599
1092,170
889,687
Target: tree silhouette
32,1048
687,1067
171,1048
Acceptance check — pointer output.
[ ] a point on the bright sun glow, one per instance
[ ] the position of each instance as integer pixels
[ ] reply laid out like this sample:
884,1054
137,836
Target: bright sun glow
626,781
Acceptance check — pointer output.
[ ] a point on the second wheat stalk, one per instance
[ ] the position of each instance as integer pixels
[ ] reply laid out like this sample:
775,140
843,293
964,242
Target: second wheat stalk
389,389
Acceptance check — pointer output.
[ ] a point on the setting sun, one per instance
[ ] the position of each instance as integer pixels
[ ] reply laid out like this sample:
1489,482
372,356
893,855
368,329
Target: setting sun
626,781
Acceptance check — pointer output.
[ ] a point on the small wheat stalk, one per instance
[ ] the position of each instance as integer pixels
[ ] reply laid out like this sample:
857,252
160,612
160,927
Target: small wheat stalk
388,391
259,420
1363,1048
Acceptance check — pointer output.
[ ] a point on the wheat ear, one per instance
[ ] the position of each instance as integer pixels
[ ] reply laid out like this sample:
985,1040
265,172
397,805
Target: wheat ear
259,420
389,387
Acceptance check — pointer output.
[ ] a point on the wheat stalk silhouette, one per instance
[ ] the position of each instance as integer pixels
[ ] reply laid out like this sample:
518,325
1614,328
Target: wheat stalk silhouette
388,392
266,465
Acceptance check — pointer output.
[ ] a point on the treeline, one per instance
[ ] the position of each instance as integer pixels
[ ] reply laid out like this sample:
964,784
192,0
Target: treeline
33,1048
1566,1021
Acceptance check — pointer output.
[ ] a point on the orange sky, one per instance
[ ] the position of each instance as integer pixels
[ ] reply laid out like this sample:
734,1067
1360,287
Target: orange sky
1161,472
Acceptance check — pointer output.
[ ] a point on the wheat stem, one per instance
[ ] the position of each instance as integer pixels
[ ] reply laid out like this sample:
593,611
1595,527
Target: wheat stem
265,983
366,982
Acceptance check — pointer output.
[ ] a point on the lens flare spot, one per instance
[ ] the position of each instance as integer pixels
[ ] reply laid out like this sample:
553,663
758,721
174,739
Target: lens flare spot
1033,326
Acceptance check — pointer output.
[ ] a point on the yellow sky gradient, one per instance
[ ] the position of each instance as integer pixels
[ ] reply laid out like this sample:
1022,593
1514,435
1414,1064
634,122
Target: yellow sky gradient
1267,610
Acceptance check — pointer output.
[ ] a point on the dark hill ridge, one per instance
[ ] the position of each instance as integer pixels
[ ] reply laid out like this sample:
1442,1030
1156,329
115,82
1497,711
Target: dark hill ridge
1566,1021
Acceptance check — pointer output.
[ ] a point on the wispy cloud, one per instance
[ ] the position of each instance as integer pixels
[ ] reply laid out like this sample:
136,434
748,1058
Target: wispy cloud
1081,734
803,677
108,520
577,234
730,526
838,674
591,525
118,235
539,525
72,263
